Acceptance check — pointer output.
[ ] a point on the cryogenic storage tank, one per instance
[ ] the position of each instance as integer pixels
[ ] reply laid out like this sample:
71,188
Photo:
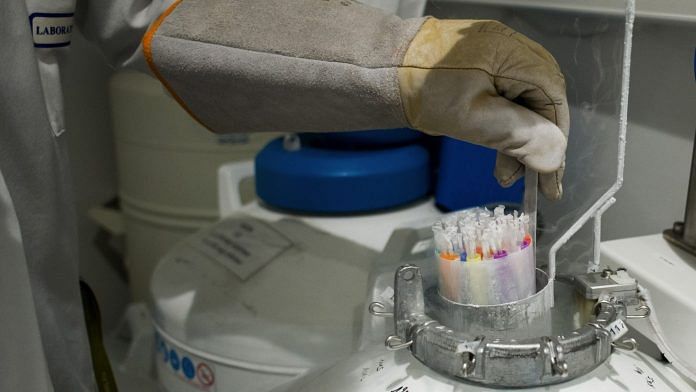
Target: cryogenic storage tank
377,368
167,166
389,371
260,297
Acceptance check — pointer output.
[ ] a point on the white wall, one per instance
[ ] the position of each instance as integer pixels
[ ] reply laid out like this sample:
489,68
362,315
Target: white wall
662,115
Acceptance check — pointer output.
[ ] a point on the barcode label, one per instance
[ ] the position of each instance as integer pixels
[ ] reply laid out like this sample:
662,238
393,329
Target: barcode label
242,244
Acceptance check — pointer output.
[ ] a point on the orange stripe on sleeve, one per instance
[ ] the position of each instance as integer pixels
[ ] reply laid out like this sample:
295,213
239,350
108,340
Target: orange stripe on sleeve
147,50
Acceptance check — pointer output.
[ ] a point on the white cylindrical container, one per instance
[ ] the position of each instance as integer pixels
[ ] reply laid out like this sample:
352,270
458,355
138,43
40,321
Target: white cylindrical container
261,297
485,257
167,170
490,282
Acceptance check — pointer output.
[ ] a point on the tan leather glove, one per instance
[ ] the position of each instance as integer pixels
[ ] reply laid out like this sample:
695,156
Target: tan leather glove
467,79
332,65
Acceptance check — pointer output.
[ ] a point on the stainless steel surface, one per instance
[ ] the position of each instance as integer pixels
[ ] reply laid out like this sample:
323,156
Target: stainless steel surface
522,319
617,283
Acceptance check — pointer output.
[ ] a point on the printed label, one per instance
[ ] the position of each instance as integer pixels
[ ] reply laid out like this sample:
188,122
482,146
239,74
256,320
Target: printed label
617,329
51,30
368,371
242,245
181,366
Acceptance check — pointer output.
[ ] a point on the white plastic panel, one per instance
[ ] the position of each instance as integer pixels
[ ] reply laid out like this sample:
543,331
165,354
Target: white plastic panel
669,273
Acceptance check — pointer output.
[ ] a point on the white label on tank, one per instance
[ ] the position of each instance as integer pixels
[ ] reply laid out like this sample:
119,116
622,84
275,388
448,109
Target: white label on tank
176,366
243,245
617,329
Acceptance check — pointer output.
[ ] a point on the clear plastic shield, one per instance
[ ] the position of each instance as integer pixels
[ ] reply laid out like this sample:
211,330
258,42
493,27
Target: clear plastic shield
588,43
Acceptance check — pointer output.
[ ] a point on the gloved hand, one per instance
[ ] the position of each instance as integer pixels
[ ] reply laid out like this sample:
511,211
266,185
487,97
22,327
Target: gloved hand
475,81
332,65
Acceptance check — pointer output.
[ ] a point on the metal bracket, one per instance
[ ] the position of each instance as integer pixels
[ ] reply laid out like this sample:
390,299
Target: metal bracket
643,308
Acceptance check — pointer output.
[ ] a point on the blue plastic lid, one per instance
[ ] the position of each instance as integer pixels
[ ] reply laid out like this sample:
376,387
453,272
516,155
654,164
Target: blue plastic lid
320,180
357,139
465,178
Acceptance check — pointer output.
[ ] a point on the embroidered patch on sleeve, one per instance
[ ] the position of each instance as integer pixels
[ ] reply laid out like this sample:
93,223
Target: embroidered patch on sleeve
51,30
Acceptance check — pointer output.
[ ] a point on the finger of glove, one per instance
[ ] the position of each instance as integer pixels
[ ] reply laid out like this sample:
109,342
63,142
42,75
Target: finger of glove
555,109
531,77
524,138
509,170
551,184
517,132
539,86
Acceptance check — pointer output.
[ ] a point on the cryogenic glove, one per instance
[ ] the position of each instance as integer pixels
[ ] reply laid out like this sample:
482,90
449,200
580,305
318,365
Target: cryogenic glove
333,65
477,81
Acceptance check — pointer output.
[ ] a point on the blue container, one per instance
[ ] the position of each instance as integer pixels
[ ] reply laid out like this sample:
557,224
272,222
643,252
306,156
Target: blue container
465,178
323,180
377,138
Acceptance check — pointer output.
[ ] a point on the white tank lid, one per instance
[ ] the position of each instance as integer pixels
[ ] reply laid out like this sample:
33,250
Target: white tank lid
300,310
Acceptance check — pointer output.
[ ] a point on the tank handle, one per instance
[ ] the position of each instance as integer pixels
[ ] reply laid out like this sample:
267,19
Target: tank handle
230,176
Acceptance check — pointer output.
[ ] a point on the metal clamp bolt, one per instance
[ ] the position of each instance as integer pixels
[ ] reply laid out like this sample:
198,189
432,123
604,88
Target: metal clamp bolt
375,309
469,363
555,354
395,343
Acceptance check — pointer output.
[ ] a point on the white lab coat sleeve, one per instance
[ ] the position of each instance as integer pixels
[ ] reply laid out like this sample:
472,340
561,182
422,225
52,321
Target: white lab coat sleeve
21,345
117,27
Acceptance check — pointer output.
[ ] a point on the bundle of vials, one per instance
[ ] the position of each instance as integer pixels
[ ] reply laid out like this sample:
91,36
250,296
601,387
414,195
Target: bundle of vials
485,257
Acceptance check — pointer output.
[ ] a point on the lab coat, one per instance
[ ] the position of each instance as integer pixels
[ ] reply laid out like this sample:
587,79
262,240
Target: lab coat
43,345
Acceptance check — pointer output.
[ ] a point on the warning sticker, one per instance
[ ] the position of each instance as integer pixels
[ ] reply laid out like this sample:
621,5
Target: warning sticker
205,374
175,366
243,245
